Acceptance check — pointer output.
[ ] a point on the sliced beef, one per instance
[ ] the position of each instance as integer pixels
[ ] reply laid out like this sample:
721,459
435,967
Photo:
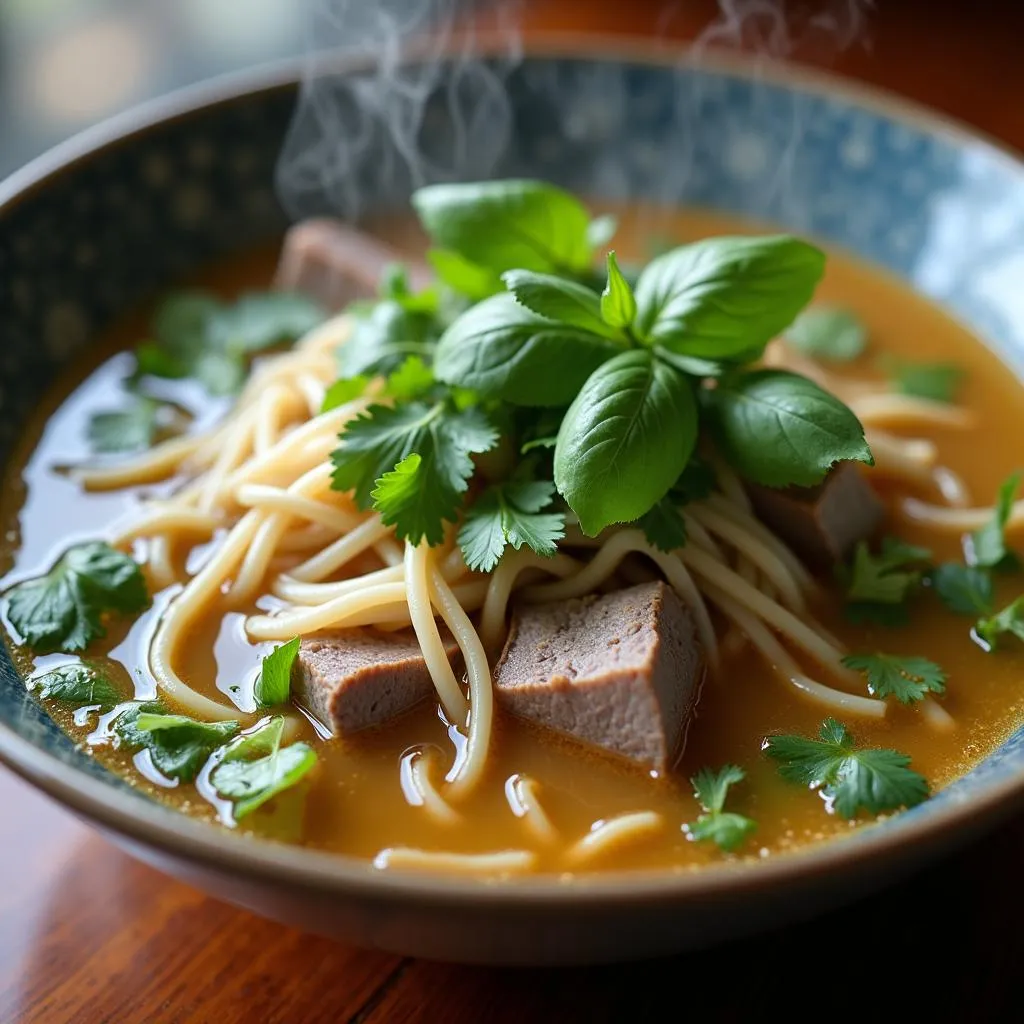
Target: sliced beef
335,263
620,671
351,679
821,524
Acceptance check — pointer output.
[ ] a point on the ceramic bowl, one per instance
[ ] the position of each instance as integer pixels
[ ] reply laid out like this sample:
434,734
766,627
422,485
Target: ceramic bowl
103,221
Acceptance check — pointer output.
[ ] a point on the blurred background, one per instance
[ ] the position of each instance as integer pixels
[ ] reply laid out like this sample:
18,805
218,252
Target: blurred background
66,64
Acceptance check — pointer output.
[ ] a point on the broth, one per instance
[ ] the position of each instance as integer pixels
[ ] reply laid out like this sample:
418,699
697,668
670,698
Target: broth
356,803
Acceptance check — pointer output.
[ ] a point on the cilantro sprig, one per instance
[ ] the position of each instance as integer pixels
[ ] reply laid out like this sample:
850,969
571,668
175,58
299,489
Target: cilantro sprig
907,679
67,608
724,828
608,372
851,778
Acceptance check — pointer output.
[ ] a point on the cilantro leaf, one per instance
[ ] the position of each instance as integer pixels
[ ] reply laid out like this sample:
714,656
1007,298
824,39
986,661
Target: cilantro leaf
412,379
826,332
262,320
850,779
727,830
80,685
663,525
179,746
65,608
778,428
988,545
126,430
384,337
510,513
878,586
963,588
1007,620
890,675
275,682
417,498
938,382
343,391
264,739
250,784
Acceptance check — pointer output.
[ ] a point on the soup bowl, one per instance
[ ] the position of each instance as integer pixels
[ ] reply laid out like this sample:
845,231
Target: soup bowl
106,220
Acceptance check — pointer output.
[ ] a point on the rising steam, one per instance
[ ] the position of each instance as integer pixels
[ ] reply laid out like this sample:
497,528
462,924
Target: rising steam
399,93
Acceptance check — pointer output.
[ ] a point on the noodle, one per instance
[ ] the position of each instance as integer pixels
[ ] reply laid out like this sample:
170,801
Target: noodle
498,863
607,836
416,768
521,792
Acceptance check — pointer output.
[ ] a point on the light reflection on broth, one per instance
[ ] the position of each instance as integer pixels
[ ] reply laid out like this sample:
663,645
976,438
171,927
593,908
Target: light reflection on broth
362,799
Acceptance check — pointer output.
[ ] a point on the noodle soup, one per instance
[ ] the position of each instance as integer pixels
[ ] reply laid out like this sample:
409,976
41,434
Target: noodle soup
896,658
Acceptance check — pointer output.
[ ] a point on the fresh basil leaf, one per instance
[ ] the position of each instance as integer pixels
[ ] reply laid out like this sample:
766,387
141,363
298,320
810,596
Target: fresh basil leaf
505,225
250,784
988,545
827,332
274,685
64,609
262,320
725,297
963,589
79,685
624,440
383,338
130,429
503,350
559,299
778,428
618,304
461,276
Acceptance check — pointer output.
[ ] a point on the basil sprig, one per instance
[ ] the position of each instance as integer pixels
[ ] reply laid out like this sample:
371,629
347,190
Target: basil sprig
627,374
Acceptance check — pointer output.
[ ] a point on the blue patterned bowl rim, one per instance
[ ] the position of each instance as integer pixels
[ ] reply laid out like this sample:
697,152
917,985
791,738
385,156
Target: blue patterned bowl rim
937,825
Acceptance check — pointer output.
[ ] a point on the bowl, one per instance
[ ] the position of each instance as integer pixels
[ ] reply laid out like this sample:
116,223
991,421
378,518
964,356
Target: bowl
100,223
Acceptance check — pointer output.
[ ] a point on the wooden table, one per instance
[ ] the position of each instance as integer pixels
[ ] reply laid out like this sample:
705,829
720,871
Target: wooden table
88,935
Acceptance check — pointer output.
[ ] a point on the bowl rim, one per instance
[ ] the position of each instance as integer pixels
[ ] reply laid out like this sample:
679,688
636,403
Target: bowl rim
159,827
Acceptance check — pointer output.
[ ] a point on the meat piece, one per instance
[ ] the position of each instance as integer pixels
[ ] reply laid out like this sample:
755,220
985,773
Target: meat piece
334,263
821,524
351,679
621,671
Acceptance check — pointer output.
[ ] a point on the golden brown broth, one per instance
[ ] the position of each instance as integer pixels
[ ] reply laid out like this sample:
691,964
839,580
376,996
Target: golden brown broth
356,804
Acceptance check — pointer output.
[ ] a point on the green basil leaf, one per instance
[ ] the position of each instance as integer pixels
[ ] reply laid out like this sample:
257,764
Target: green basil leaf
624,440
618,305
779,428
723,297
503,350
462,276
826,332
275,682
557,298
382,339
504,225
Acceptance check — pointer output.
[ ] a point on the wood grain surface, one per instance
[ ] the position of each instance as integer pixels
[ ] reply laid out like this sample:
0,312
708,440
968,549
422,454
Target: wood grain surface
88,935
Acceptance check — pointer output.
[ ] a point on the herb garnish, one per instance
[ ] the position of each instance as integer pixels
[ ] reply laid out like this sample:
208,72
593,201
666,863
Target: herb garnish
65,608
988,545
726,829
1008,620
964,589
908,679
79,685
618,377
826,332
851,779
938,382
251,783
274,684
877,587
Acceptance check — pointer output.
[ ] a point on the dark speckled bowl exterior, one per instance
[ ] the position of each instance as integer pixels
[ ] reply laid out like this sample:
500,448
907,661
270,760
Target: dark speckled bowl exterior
104,221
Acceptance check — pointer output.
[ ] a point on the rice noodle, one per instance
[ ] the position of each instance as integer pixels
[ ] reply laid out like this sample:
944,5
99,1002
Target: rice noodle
605,837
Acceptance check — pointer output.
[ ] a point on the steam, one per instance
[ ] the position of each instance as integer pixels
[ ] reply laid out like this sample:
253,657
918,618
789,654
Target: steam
400,93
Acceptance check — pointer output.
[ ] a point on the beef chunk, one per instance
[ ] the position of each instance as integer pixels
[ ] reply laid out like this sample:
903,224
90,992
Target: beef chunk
620,671
334,263
351,679
821,524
